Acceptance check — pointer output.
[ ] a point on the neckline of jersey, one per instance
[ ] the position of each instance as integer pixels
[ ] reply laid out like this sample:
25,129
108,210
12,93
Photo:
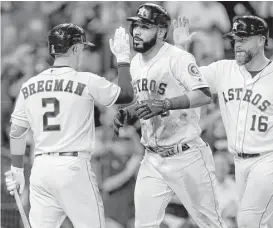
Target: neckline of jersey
257,71
254,73
60,69
152,60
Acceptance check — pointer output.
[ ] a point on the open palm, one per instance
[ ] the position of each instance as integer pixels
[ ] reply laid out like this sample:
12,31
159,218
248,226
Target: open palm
181,34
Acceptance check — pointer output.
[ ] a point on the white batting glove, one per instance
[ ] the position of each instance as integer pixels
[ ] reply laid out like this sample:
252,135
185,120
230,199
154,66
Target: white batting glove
15,178
120,45
181,35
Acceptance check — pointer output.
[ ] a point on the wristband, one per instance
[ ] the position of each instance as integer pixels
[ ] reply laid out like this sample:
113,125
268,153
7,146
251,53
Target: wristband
123,59
167,104
123,64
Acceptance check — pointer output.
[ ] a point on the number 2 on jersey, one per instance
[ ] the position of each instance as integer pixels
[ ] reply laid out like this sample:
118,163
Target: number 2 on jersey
54,113
260,123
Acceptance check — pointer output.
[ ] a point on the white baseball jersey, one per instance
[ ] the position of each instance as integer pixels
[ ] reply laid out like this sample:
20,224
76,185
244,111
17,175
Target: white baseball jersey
58,105
245,103
172,72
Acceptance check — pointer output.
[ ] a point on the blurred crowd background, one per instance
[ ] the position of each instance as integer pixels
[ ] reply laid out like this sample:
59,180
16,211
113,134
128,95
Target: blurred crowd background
24,53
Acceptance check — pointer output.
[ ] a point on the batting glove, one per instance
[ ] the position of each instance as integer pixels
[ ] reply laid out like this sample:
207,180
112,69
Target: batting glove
123,115
119,120
14,178
150,108
120,45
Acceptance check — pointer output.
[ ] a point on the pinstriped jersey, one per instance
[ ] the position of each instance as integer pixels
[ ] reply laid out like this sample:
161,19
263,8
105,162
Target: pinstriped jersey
172,72
58,105
245,104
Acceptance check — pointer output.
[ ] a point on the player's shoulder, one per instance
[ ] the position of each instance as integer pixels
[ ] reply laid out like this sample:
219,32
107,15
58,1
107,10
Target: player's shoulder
227,62
176,53
224,64
47,74
31,80
89,77
174,50
84,74
78,76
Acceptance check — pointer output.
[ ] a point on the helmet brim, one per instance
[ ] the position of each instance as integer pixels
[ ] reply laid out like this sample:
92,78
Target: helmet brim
89,44
140,19
231,35
133,18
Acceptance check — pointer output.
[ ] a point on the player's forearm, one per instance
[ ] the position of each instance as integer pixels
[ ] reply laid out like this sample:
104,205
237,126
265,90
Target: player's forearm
130,170
192,99
17,149
18,143
124,82
17,161
199,97
138,148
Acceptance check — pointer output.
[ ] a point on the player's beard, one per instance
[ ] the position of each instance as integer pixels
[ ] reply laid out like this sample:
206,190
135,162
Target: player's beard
146,46
245,57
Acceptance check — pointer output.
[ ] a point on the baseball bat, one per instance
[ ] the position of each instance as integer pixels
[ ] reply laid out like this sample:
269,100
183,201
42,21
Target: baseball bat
21,209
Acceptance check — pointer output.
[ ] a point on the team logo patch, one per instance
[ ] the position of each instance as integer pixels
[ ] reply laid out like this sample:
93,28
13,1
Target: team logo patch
193,70
143,12
235,25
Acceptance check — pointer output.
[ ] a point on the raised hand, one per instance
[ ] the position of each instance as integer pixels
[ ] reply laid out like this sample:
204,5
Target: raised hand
181,33
120,45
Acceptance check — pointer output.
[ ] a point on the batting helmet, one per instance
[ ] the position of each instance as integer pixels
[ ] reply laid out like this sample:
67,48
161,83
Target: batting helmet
249,26
150,13
63,36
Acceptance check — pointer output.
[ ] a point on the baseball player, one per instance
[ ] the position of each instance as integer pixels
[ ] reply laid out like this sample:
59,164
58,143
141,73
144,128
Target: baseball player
177,161
244,88
58,105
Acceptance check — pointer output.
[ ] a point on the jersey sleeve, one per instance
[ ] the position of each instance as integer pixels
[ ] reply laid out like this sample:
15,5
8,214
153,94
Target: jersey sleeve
18,116
210,75
103,91
187,72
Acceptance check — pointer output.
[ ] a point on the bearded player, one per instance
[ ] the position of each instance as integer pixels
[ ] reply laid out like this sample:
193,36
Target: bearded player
244,88
177,161
58,105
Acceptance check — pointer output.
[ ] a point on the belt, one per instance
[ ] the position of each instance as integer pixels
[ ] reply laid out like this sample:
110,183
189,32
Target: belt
244,155
169,151
74,154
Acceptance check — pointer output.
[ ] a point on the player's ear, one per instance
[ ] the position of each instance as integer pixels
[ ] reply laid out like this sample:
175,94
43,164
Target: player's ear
161,32
74,49
262,41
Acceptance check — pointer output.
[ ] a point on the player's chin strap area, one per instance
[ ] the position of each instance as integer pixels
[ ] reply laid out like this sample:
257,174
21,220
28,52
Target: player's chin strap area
169,151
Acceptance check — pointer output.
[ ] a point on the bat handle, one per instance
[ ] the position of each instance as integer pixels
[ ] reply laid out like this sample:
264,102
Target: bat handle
21,209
